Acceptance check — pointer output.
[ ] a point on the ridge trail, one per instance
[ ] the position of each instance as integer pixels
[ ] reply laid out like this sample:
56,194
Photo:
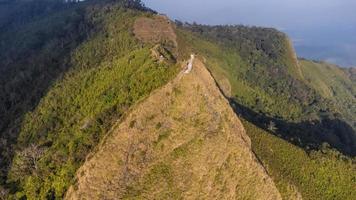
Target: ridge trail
183,142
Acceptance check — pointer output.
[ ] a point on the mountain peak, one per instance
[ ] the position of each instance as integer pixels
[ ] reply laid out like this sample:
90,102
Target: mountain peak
184,141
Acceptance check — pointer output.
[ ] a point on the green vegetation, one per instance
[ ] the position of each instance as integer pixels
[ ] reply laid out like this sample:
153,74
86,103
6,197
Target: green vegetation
226,61
77,91
268,84
332,83
290,99
69,71
73,117
322,175
34,51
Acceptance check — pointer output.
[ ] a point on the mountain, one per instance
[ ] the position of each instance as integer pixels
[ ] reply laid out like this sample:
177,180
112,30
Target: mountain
85,86
268,83
279,106
333,83
183,142
67,76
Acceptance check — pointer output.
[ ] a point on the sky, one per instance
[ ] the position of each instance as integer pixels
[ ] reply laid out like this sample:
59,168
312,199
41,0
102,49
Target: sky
320,29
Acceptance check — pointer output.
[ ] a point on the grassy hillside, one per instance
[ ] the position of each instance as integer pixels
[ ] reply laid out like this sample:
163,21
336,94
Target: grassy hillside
68,71
268,84
315,175
65,100
289,133
182,142
226,61
33,53
332,83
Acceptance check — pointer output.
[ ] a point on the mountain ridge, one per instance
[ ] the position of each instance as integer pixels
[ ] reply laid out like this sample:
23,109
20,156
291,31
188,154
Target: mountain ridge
197,86
59,107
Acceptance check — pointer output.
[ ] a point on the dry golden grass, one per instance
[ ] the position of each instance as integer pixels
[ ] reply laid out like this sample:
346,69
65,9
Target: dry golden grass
158,29
183,142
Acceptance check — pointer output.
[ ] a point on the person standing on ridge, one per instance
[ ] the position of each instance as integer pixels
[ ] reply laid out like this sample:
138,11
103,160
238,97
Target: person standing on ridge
190,64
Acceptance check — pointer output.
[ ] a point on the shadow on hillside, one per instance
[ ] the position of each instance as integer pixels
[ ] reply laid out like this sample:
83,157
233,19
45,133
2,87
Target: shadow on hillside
309,135
28,72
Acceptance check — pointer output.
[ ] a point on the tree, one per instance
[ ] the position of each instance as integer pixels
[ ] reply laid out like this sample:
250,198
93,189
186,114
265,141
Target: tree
272,126
27,161
3,193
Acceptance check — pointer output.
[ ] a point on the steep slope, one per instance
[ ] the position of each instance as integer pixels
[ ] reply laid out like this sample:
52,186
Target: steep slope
313,175
284,131
268,84
333,83
335,86
69,71
34,51
258,62
184,141
66,77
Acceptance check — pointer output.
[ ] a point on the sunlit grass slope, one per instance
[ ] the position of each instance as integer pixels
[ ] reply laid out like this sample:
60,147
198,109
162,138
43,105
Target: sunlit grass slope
332,83
109,73
320,175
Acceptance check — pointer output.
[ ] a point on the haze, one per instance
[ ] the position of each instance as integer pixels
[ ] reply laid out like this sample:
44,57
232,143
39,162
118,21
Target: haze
320,29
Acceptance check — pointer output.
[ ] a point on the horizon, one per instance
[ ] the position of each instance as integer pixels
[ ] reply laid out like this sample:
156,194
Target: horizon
324,30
